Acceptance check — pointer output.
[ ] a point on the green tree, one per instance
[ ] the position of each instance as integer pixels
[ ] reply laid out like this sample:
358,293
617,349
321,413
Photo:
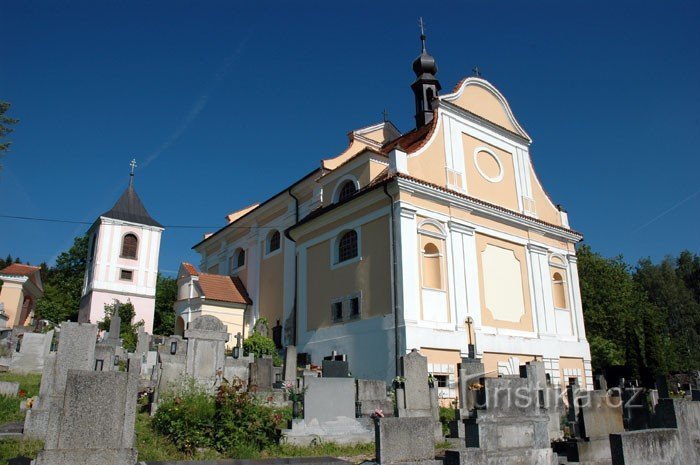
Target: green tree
63,284
259,344
622,326
5,129
166,294
676,310
128,330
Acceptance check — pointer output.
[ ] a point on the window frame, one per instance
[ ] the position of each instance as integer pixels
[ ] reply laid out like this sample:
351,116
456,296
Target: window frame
341,183
345,308
268,244
234,266
335,248
557,264
121,275
121,248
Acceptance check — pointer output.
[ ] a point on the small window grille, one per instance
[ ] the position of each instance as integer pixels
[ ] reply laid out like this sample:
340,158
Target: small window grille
355,307
129,246
347,190
126,275
347,246
337,311
274,242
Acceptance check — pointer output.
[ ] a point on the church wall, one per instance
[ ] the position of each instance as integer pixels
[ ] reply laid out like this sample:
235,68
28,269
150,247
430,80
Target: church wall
429,165
482,102
503,265
366,276
480,162
270,305
546,210
506,364
143,306
12,296
570,368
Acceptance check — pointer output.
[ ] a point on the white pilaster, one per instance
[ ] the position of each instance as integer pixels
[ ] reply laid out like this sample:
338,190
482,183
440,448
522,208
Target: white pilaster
542,290
407,280
575,291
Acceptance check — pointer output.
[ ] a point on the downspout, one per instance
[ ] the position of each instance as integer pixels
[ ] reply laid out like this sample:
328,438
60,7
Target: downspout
296,264
392,239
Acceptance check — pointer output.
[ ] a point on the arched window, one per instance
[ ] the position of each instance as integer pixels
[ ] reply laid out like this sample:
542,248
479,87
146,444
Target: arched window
273,242
239,258
347,190
432,266
559,290
130,245
347,246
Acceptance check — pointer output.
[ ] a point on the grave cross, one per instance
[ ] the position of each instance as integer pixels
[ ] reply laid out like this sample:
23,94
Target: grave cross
238,339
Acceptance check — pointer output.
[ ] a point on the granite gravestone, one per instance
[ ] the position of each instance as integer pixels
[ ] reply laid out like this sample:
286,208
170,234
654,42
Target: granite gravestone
404,441
261,374
33,350
206,349
77,434
290,364
76,351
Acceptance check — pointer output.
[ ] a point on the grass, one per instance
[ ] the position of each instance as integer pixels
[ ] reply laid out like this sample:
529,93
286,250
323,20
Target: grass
10,448
154,446
9,406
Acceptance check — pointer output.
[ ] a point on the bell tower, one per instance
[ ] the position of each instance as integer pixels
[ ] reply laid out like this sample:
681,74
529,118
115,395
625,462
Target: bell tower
122,262
426,86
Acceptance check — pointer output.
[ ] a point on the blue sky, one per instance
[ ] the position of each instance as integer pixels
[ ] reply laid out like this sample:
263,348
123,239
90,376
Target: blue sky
225,103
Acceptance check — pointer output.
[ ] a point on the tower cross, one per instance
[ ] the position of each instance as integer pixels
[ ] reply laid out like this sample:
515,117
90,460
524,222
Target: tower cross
476,71
133,166
422,26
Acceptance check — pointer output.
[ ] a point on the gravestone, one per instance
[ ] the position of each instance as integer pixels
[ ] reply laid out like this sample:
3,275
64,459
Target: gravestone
143,341
290,364
335,368
329,414
512,429
238,368
206,349
9,388
415,395
20,461
371,396
113,336
77,434
404,441
34,349
76,351
261,375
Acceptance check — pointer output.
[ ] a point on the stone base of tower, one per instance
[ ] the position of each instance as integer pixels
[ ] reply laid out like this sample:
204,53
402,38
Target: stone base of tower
92,307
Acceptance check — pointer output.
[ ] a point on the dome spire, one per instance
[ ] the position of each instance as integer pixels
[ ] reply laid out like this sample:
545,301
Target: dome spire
426,86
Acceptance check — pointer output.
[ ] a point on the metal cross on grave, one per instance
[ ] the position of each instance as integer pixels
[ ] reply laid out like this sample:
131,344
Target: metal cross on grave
238,339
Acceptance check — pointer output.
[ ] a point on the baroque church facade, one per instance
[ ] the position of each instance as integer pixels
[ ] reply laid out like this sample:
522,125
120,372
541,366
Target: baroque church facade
441,239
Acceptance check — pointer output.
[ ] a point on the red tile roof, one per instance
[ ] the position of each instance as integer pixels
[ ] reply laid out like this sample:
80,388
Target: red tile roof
413,140
18,269
190,269
223,288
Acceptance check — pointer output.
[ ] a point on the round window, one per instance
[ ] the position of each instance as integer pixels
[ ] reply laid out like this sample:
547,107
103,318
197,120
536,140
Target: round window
488,165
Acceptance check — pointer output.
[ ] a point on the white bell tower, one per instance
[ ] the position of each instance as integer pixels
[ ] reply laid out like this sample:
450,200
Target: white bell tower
122,264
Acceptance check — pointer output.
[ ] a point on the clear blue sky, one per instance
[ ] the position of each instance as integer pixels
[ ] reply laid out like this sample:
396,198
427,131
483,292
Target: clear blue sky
225,103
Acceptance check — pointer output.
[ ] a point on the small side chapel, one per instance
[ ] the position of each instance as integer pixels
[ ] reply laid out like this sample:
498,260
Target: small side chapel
122,262
440,238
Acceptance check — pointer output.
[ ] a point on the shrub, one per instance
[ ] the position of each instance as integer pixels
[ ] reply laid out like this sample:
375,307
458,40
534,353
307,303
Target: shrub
186,416
446,416
233,421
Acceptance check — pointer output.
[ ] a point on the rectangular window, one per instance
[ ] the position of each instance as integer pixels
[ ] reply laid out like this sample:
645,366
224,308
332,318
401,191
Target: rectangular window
442,381
126,275
337,311
355,307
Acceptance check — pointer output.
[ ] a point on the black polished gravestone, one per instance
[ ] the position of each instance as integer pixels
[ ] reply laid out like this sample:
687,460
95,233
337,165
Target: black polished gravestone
20,461
335,369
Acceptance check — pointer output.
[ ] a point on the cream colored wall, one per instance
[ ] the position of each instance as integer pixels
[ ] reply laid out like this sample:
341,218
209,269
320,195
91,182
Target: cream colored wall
12,296
339,223
518,252
491,360
482,102
503,193
369,275
561,299
451,357
231,317
270,304
546,211
483,221
430,165
571,363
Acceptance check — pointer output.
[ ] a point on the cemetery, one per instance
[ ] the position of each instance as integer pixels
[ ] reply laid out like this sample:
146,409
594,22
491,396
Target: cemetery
98,403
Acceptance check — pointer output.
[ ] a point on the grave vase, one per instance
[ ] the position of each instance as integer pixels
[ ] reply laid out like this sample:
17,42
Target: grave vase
296,410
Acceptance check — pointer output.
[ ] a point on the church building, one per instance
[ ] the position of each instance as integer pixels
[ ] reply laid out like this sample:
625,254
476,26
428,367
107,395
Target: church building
122,262
441,239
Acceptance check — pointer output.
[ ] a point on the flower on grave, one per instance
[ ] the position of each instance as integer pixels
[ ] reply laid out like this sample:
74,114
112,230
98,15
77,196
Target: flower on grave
378,413
294,394
30,402
476,387
21,393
